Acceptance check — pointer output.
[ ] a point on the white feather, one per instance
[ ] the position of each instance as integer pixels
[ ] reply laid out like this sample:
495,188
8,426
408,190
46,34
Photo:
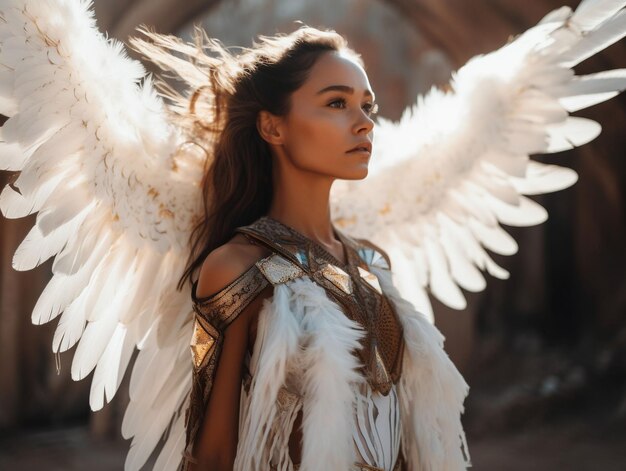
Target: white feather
71,325
440,281
174,312
462,269
37,248
431,392
94,339
111,297
493,238
169,458
329,379
85,243
407,279
12,155
609,32
149,263
144,386
587,90
31,198
543,178
498,187
66,208
110,370
278,335
62,289
573,132
172,396
590,13
527,213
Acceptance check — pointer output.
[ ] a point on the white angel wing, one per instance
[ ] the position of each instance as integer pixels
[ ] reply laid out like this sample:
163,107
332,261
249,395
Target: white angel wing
115,207
457,164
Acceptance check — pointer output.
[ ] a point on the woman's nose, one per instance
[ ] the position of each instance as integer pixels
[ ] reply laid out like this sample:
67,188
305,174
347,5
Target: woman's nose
364,123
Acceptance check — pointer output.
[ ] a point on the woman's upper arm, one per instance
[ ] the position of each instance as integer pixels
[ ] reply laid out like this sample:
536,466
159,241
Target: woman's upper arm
216,443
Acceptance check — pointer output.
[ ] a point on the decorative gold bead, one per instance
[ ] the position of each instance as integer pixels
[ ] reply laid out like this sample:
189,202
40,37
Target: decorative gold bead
278,269
371,279
338,277
201,343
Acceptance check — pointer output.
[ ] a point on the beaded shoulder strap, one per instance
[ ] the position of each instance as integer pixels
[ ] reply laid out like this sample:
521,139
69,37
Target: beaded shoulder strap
222,307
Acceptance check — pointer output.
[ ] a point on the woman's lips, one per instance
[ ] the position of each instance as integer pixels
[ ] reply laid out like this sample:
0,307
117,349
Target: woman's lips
363,147
359,151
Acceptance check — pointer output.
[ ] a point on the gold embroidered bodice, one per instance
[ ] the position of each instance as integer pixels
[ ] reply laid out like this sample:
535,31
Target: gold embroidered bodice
351,284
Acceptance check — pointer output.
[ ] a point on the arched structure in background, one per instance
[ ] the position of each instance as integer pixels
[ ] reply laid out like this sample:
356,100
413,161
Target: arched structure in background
568,278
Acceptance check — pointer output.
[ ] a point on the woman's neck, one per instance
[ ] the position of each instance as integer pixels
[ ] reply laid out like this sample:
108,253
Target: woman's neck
302,202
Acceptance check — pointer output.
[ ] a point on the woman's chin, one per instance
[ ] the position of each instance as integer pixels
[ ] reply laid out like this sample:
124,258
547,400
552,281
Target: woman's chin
357,172
361,172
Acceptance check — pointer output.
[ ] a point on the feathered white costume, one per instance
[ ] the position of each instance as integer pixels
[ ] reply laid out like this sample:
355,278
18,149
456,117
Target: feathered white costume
116,198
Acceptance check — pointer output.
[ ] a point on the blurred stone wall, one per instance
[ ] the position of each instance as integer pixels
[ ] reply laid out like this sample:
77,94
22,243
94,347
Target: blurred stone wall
567,281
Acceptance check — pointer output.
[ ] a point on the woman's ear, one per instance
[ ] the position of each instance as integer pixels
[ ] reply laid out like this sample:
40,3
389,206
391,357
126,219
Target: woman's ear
269,127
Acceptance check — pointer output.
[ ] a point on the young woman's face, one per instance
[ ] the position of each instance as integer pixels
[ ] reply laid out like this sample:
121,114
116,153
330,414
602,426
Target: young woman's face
330,114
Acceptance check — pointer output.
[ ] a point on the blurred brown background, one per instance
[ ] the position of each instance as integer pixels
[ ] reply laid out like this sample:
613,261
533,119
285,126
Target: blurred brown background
544,352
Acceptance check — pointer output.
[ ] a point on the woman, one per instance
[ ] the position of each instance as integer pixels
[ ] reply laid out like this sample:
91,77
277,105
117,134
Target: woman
303,351
290,305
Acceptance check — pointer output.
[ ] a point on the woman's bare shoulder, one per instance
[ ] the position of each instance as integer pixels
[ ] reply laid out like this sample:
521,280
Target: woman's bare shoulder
226,263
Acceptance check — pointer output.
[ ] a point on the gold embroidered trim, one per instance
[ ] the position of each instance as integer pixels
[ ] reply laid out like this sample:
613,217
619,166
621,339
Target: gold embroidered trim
338,277
279,270
371,279
221,308
378,368
201,343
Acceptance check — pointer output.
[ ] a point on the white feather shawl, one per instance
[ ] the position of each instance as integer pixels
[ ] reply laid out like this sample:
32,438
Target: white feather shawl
431,392
301,330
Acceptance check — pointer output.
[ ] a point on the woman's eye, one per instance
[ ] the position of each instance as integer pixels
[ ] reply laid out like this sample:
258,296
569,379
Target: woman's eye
340,100
371,108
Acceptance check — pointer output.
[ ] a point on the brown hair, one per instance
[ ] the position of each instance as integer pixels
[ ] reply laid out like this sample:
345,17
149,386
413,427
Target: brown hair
231,90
